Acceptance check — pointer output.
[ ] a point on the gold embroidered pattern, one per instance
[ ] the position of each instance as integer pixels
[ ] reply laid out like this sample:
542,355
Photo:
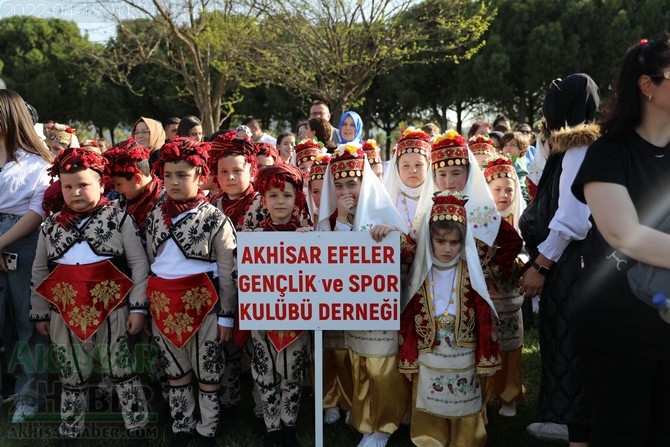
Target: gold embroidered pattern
64,294
197,298
84,317
178,323
159,303
104,292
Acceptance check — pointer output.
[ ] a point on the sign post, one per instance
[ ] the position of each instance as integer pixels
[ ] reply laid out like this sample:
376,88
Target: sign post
318,281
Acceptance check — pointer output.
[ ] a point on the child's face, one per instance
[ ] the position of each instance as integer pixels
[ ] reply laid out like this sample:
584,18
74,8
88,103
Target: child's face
378,169
451,178
348,129
81,190
280,203
264,161
446,244
234,175
315,187
287,148
306,166
412,168
208,183
511,149
503,192
181,180
348,186
129,188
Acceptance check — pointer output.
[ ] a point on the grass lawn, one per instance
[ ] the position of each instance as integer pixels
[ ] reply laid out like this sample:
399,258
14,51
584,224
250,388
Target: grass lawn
242,429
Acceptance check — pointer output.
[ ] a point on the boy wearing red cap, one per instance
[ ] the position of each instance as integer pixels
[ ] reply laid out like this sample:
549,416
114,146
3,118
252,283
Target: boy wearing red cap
132,177
192,292
85,317
281,357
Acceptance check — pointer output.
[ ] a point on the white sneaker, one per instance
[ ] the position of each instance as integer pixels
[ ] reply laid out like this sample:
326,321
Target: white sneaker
377,439
548,430
23,412
364,440
507,409
331,415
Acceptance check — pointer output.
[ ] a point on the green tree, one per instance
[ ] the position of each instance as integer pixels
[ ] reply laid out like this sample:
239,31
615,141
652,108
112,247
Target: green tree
42,59
333,50
204,43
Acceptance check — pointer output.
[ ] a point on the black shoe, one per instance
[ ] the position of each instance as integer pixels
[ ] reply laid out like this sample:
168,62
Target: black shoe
181,439
273,439
64,442
288,437
137,438
204,441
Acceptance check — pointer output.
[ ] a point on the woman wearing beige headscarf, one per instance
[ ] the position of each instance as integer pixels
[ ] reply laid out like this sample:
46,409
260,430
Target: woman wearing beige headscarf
149,133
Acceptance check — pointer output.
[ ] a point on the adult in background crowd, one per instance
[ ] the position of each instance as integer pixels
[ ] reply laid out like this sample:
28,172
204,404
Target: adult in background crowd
258,135
623,344
170,127
24,160
556,244
320,109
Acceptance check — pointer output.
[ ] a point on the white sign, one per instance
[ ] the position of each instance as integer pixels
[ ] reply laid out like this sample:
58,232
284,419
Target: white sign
318,280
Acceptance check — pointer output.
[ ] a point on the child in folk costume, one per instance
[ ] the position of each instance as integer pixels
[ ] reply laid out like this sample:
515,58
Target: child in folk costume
233,160
281,358
306,152
86,317
482,147
267,155
455,169
406,173
371,150
132,177
353,199
315,184
501,176
192,296
140,191
447,337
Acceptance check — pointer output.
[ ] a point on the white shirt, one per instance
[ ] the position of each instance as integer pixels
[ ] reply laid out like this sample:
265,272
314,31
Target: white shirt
444,289
268,139
571,221
22,184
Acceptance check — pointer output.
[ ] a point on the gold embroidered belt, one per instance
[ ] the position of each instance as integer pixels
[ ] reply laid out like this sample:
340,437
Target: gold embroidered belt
179,306
85,295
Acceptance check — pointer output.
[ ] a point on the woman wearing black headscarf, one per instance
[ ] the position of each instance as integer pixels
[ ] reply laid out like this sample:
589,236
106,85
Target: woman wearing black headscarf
555,243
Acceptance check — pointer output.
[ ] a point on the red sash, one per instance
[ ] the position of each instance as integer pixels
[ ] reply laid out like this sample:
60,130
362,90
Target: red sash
179,306
281,339
85,302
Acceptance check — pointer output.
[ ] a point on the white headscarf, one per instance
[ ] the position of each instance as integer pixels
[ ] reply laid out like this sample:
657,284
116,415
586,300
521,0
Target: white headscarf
423,262
483,218
374,206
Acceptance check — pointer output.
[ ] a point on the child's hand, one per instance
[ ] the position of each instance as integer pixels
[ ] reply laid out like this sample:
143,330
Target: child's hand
135,323
225,334
147,326
380,231
43,327
344,204
408,376
303,230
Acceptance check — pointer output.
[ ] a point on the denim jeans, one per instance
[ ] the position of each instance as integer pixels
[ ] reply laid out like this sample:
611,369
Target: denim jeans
25,349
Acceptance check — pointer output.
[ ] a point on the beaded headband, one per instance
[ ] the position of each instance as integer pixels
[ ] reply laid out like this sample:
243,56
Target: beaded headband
447,206
347,161
449,149
499,167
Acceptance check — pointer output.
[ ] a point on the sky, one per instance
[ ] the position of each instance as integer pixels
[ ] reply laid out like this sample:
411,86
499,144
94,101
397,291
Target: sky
87,14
